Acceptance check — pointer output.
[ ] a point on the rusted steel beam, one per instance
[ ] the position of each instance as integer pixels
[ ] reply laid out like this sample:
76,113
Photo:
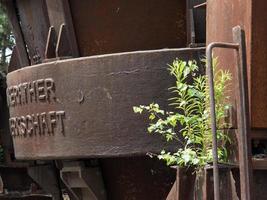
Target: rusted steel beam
34,28
59,13
34,24
243,118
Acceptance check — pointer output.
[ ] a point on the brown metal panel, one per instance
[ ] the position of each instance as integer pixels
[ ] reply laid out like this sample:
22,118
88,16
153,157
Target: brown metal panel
258,64
85,104
117,26
35,26
222,16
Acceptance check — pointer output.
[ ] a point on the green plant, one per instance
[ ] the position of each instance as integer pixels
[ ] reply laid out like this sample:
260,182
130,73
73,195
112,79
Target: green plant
189,122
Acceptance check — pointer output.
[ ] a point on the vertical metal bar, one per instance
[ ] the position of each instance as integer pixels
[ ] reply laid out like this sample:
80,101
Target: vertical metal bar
188,21
213,124
192,25
243,117
210,47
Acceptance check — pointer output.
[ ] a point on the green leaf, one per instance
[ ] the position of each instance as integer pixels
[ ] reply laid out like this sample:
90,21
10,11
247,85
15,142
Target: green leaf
137,109
152,116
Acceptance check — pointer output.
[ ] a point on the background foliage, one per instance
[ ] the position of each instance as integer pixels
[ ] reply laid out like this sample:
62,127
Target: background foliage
6,40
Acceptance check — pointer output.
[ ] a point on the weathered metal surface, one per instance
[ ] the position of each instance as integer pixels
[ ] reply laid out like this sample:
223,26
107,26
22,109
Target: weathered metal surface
258,64
83,107
184,186
191,185
229,184
60,14
221,17
139,178
118,26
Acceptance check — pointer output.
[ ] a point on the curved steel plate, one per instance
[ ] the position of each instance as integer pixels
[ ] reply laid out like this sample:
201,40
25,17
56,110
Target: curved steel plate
83,107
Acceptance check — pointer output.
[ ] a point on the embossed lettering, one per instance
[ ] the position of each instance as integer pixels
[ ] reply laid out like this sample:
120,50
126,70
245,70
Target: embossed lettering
13,94
12,126
22,126
44,126
38,124
61,115
50,88
41,90
53,121
24,87
18,96
35,124
31,91
28,126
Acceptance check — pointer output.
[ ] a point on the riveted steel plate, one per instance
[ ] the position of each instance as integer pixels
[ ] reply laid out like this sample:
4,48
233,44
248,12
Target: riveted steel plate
83,107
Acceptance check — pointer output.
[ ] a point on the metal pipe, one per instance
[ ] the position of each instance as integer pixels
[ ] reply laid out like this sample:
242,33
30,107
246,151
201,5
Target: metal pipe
209,49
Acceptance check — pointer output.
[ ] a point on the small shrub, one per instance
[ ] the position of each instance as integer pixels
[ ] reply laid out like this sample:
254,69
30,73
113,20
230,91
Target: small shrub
189,121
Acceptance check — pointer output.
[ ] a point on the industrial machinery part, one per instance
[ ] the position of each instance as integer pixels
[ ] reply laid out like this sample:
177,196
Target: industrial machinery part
82,108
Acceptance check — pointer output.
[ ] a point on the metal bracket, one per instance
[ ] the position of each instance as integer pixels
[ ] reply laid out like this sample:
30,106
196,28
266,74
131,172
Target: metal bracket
242,117
57,47
51,43
83,182
45,176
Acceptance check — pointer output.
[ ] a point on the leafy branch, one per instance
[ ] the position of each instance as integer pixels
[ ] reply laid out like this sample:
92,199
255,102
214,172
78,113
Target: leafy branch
189,123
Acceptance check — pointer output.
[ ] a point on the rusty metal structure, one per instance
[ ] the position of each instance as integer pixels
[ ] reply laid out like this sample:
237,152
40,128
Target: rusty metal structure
78,67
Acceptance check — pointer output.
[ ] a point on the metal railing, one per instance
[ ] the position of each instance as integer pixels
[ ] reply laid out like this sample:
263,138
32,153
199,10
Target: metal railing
242,117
